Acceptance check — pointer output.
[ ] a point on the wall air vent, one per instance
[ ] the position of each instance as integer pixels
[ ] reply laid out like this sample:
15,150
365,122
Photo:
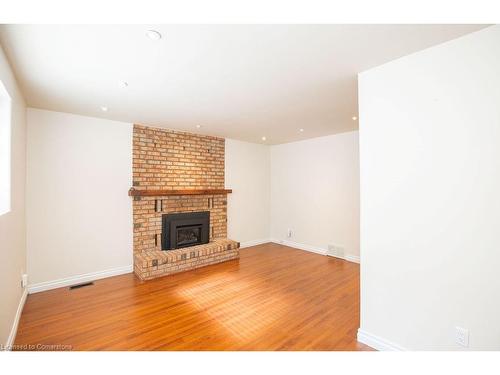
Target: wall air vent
336,251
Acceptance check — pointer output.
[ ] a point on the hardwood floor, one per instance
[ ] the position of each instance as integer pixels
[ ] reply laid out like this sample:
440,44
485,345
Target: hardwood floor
272,298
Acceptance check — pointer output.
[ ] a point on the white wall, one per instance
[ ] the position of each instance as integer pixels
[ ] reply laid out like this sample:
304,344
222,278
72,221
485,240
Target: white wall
315,192
79,216
5,155
247,173
430,196
12,224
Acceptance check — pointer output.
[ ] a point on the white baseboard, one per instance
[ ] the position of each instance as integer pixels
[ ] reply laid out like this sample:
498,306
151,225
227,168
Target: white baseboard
48,285
301,246
377,342
352,258
15,324
314,249
254,243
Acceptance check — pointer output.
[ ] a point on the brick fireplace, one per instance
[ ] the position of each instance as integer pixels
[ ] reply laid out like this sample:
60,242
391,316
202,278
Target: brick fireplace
176,172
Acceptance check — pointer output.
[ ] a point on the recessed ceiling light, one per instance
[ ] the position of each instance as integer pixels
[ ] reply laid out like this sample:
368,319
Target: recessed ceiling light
123,84
354,118
198,126
264,138
301,130
153,35
104,108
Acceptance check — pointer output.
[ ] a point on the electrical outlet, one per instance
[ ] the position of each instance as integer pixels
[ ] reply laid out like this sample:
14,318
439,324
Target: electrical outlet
462,336
24,280
289,233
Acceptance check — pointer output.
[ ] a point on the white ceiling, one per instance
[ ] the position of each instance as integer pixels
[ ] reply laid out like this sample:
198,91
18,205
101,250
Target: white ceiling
236,81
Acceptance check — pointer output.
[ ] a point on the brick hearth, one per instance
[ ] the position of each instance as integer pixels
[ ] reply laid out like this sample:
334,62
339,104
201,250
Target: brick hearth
151,264
170,160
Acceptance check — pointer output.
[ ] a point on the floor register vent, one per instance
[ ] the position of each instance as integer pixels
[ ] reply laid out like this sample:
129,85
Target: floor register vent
81,285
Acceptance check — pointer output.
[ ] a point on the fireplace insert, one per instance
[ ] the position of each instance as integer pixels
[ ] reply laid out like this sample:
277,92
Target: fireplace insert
184,229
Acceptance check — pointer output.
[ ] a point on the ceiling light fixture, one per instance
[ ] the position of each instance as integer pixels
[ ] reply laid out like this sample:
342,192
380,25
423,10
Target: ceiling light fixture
104,108
124,84
153,35
301,130
264,138
354,118
198,126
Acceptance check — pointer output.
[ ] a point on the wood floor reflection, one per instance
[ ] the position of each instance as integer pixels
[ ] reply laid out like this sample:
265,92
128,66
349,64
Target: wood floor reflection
272,298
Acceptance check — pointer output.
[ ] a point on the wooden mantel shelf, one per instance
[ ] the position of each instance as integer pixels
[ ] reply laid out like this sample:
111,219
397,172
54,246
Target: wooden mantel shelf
158,193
